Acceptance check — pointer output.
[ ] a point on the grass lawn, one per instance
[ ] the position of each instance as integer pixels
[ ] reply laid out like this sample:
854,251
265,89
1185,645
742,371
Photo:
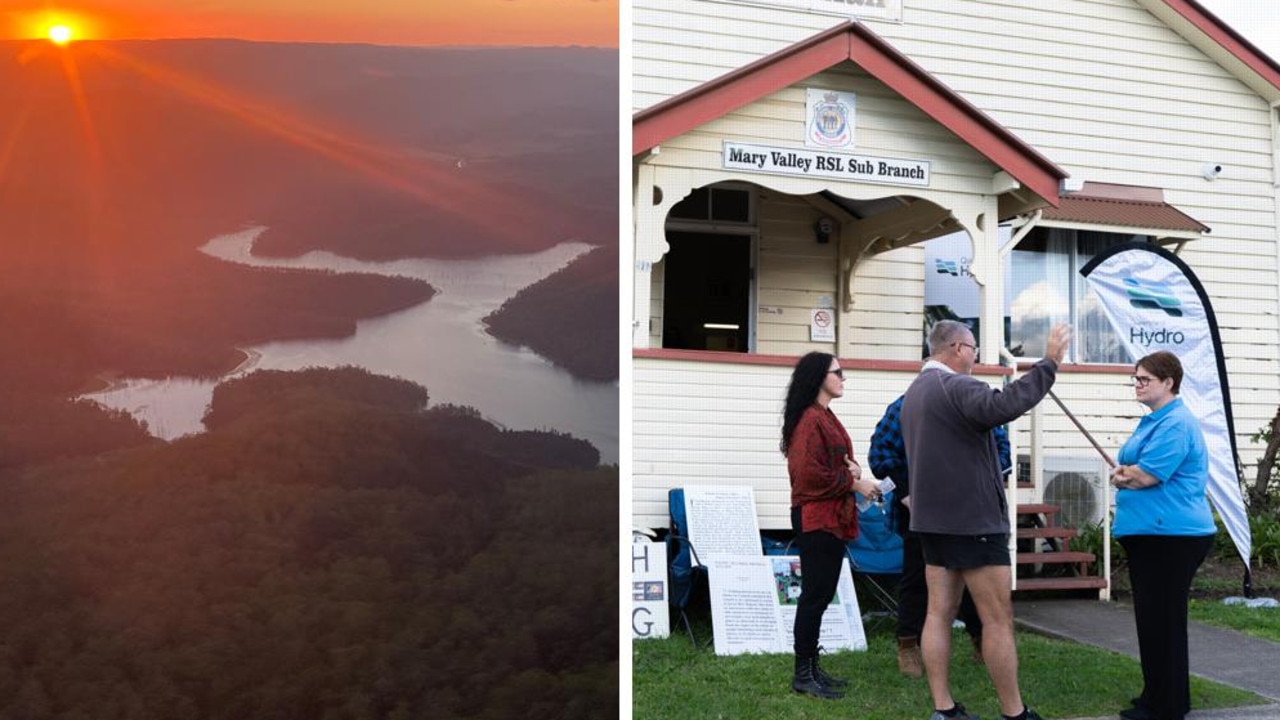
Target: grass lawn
1261,623
672,679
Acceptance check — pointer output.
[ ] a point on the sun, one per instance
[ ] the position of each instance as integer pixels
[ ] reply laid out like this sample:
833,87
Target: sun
60,34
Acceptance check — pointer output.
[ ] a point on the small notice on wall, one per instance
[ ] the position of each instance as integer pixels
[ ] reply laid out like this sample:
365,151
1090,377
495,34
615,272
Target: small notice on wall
822,325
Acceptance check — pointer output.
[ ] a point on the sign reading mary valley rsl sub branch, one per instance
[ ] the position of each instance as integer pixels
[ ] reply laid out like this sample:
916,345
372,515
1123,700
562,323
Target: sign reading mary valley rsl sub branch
838,166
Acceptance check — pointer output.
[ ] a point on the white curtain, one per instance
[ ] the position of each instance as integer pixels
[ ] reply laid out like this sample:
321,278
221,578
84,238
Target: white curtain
1096,339
1040,289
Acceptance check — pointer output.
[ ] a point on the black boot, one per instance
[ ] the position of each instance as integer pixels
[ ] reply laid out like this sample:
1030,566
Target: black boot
804,680
830,681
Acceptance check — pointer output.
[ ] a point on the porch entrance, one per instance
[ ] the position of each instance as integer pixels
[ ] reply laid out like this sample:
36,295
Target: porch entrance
707,292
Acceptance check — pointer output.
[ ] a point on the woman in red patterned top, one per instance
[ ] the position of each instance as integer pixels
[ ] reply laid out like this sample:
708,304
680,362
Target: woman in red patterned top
823,512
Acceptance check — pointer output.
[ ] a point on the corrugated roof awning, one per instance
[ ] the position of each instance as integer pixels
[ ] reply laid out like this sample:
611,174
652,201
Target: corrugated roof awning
1123,209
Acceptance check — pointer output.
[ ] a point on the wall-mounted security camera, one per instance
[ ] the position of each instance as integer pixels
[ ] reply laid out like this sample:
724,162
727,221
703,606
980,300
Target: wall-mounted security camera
1211,171
823,229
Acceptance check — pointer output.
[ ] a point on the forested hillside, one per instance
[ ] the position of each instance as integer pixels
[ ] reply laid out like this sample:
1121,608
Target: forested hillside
331,548
570,317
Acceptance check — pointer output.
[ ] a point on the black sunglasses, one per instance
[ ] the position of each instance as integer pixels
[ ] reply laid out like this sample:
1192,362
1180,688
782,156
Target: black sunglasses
838,372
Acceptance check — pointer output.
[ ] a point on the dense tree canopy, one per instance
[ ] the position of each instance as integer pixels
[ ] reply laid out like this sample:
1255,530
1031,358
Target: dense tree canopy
330,551
571,317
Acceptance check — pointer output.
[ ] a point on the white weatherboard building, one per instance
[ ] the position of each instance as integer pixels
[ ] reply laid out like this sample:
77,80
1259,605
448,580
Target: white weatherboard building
833,174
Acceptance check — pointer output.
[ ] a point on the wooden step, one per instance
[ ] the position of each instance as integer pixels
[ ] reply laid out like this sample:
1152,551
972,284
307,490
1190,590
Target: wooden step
1047,532
1089,582
1038,558
1037,509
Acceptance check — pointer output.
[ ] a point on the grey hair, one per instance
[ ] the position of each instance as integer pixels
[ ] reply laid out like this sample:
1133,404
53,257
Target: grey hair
944,334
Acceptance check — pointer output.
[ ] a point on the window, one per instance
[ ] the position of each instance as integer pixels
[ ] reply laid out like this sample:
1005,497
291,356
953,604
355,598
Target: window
706,275
1045,288
707,292
717,204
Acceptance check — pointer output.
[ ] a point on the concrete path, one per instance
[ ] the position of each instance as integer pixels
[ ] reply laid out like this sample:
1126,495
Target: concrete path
1224,656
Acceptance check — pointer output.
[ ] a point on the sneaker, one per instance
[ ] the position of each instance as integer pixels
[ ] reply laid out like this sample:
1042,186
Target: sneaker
1033,715
961,714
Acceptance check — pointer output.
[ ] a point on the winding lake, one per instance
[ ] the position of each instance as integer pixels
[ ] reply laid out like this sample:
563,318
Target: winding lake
440,344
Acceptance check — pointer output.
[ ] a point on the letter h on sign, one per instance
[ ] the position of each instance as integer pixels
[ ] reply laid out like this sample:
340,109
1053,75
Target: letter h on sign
640,558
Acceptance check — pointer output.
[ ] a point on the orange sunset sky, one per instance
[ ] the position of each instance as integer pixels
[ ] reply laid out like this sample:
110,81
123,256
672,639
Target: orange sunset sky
384,22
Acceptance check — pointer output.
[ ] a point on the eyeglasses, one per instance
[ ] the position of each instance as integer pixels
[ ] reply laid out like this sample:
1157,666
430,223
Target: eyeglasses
838,372
1141,380
974,348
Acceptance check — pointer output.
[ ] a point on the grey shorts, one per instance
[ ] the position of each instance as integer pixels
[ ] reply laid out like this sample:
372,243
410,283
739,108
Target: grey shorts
965,552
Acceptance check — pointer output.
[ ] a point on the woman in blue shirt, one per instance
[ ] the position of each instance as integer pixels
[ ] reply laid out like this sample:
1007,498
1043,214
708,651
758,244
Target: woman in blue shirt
1164,523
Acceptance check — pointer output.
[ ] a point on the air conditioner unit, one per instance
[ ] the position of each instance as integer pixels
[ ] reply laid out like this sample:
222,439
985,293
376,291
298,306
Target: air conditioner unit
1077,485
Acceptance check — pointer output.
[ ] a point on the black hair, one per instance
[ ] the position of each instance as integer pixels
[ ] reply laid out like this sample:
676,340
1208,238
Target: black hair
806,380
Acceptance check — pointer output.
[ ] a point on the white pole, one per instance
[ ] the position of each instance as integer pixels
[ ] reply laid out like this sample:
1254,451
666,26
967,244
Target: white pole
1011,490
1105,593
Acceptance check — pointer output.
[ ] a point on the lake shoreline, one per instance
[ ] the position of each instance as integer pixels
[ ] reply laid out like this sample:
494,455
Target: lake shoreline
444,345
240,360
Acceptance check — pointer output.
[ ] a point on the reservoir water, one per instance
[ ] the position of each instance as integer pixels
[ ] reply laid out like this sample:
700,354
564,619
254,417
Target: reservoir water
440,344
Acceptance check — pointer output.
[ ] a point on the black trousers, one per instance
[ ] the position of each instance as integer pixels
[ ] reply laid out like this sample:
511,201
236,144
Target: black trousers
1160,570
913,594
821,554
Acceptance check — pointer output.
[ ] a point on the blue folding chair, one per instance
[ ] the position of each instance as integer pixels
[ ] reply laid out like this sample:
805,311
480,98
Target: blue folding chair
688,576
875,556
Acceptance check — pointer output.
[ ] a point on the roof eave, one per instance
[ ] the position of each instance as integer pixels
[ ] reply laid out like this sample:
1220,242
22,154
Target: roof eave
1124,229
1208,33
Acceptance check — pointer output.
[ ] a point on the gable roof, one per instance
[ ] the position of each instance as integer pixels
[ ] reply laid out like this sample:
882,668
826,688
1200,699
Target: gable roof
1209,34
849,41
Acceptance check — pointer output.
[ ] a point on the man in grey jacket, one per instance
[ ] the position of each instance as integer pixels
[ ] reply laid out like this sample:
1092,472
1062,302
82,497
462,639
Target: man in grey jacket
958,505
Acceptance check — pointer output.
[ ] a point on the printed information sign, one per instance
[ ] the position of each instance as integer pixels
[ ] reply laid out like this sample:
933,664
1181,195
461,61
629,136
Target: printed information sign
753,606
754,596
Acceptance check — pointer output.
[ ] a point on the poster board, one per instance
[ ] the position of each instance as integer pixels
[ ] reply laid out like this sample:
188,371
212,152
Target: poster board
753,596
650,616
753,606
722,521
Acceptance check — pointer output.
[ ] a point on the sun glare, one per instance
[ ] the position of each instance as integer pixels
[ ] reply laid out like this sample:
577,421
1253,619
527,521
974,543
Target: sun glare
60,34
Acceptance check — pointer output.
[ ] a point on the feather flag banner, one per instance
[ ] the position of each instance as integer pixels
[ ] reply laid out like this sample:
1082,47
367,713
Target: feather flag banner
1154,302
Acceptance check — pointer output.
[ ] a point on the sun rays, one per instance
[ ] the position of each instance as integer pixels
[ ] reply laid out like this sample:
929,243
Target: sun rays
435,184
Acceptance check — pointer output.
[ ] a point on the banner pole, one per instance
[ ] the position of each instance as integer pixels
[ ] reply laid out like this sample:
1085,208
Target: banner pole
1096,446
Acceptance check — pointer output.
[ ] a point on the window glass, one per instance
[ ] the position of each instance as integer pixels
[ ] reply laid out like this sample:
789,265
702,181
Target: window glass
1039,293
730,205
1095,341
693,207
718,204
1046,288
